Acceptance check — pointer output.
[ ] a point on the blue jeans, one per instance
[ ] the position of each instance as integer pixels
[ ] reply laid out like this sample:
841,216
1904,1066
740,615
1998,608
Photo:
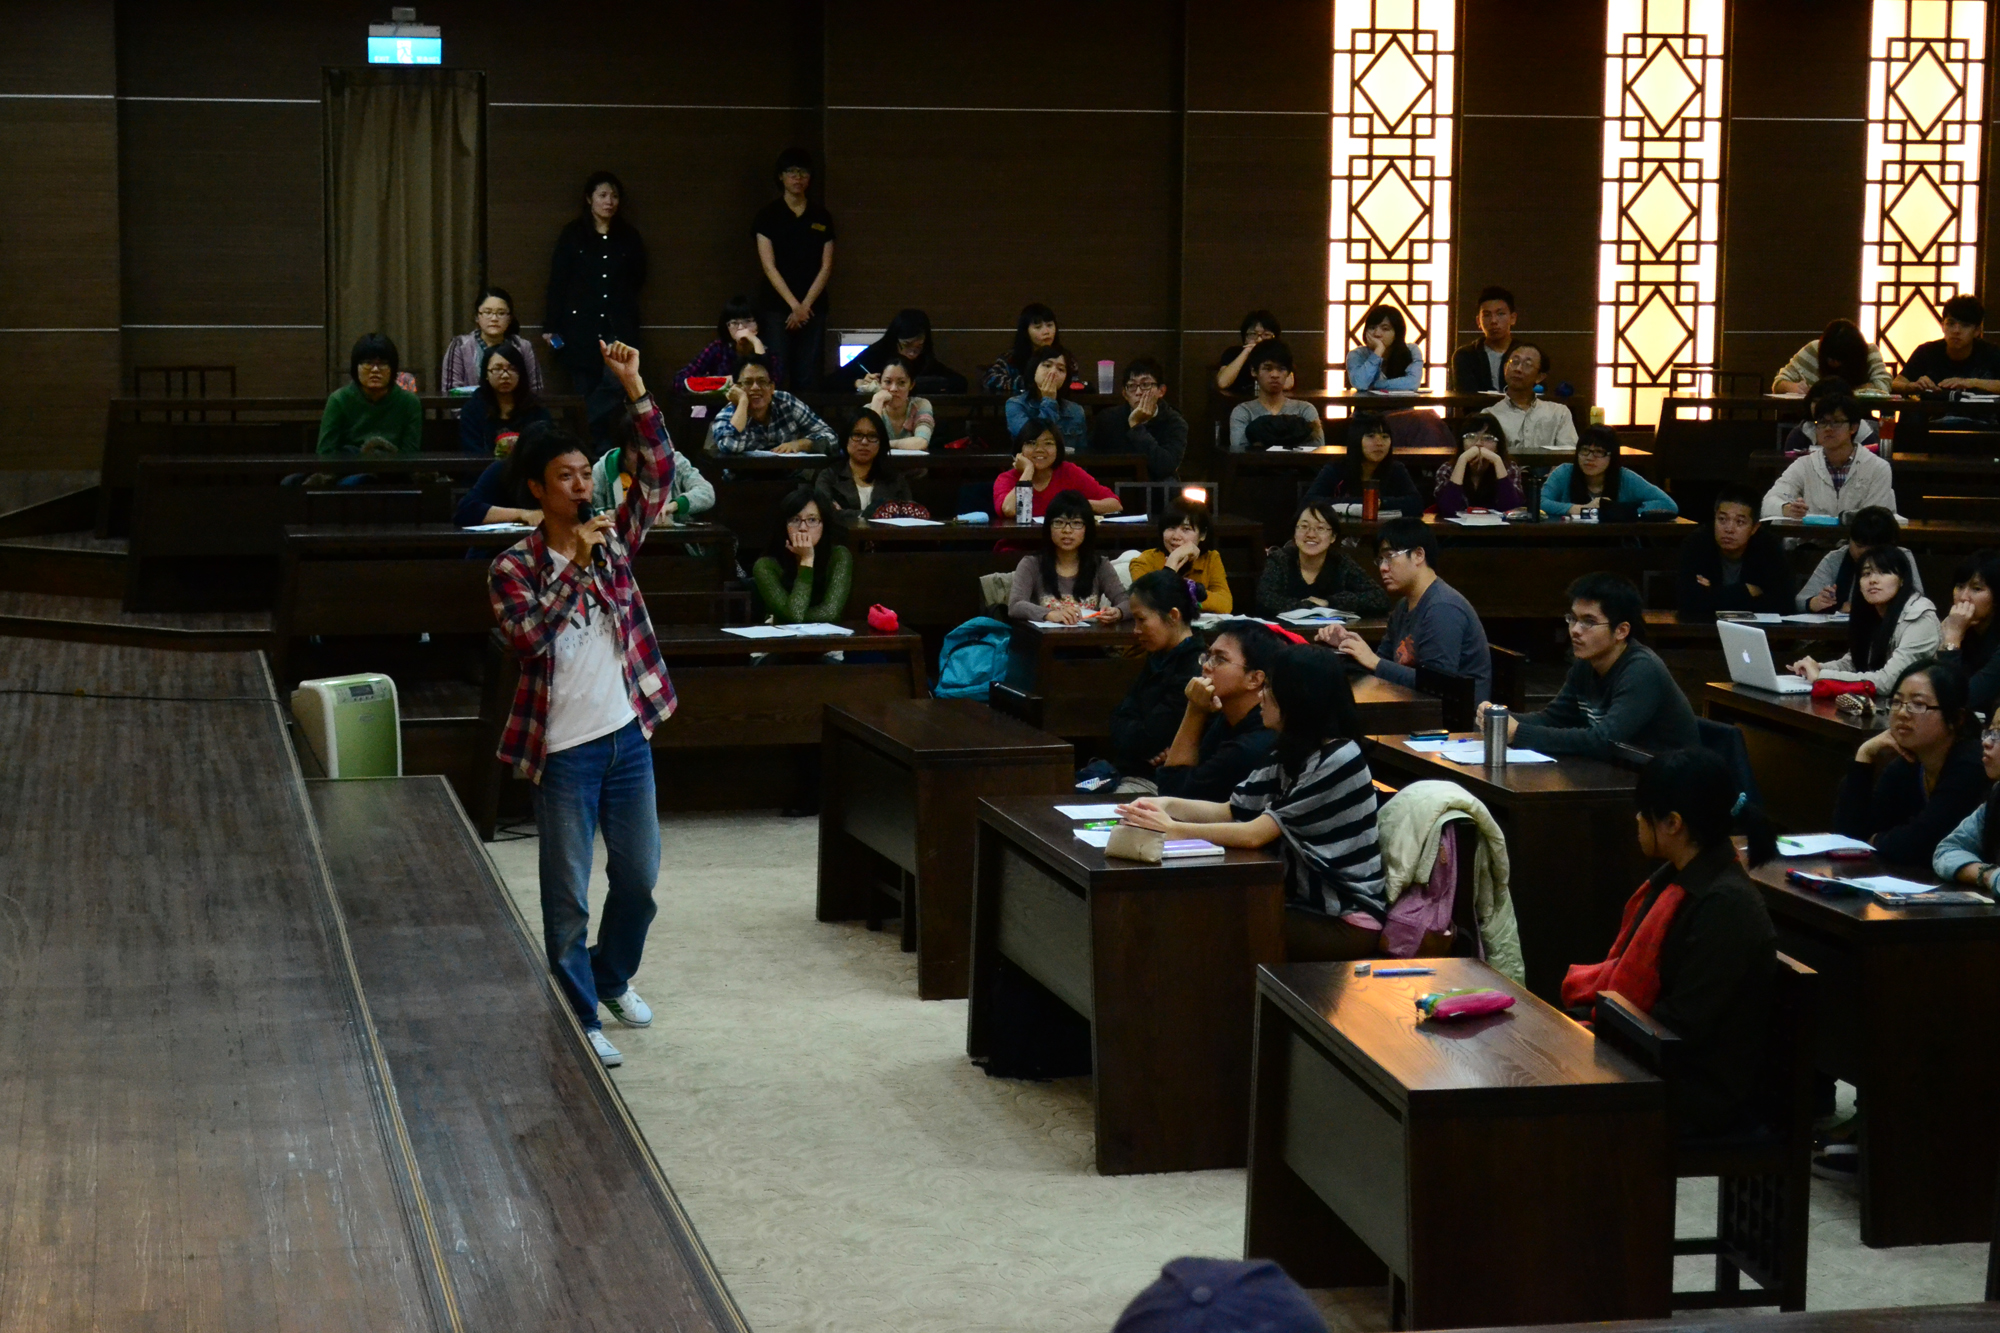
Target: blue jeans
606,783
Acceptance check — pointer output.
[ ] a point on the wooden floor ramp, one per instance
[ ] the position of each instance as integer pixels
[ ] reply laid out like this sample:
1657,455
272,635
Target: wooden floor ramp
202,1127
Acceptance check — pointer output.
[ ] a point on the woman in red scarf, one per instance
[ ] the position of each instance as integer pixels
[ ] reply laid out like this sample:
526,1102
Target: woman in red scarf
1695,948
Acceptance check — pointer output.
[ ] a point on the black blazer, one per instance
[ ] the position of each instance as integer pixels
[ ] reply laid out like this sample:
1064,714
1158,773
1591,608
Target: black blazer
594,284
1469,371
1763,566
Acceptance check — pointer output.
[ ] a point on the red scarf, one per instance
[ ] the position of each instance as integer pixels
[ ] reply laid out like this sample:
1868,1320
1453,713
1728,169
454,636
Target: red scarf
1632,968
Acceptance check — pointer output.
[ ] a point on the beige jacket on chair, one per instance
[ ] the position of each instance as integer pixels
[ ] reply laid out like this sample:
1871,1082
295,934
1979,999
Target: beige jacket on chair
1411,824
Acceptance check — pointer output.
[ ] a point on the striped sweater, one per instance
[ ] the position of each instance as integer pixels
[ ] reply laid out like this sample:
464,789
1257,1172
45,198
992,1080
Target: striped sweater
1333,855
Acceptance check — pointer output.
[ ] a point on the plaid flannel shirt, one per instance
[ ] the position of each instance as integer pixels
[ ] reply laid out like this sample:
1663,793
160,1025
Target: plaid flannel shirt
789,419
532,603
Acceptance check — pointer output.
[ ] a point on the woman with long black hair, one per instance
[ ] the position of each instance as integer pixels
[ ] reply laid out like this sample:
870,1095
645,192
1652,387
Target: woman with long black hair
1891,626
1911,783
1696,949
595,275
1968,634
1369,450
907,339
1036,329
1970,853
1385,362
1066,578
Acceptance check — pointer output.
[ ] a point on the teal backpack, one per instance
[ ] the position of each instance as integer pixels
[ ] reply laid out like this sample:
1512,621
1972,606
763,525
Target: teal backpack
973,659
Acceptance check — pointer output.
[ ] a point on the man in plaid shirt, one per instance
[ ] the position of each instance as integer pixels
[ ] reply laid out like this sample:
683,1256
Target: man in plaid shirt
593,687
762,416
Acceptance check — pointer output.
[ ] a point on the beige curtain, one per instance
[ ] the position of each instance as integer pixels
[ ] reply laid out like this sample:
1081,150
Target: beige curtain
405,211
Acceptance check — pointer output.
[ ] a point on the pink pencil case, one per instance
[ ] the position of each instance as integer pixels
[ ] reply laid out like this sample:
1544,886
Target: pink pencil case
1464,1003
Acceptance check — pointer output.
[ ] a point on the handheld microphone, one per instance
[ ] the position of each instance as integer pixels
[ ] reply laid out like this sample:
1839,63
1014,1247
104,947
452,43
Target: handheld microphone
584,513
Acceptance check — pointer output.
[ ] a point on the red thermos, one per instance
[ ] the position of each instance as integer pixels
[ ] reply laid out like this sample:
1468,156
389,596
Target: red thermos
1371,500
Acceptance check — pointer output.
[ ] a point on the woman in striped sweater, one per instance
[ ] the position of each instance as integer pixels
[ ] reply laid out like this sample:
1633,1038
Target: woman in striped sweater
1316,795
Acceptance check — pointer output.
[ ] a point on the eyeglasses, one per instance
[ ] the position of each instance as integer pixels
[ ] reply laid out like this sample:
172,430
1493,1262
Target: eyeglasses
1211,659
1039,445
1481,437
1142,385
1593,453
1575,621
754,382
865,437
1388,556
1990,736
1914,707
493,310
909,346
1308,530
795,171
1828,423
1067,525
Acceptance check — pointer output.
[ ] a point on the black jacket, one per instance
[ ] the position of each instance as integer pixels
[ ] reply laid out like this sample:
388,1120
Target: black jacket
1145,720
1716,965
1161,441
1226,756
594,284
1892,810
1396,491
928,374
1764,567
833,488
1470,371
1979,655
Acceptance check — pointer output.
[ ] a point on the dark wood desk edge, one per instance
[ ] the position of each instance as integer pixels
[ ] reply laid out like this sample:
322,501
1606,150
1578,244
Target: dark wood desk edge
1133,876
843,720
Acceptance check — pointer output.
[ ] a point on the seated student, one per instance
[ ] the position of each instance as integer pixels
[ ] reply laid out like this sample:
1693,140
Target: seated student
370,415
1431,624
1185,533
1222,739
493,418
689,494
1696,948
1598,480
1838,353
1385,362
1232,371
1913,783
1618,691
1970,853
761,416
1830,587
1733,563
1533,425
1065,579
1369,445
809,580
908,340
1312,570
1484,475
1890,626
1805,434
1317,795
1836,477
1967,637
1037,329
910,419
735,338
1040,461
493,323
1476,367
1047,399
1271,420
1145,721
1962,359
1143,425
497,496
855,487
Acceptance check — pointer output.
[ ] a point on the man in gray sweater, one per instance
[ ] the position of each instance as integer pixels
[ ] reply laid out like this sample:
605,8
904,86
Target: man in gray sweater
1430,624
1618,690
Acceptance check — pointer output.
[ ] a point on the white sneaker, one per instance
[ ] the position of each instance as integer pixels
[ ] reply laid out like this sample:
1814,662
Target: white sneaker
605,1050
629,1009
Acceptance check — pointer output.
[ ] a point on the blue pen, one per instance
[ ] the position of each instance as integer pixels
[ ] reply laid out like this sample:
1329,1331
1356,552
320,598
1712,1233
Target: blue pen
1405,971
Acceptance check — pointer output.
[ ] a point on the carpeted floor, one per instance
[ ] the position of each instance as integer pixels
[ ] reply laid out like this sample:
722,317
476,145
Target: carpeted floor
849,1170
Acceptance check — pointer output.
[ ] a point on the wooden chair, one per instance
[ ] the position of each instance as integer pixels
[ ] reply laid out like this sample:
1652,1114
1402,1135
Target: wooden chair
1765,1175
1460,941
1015,703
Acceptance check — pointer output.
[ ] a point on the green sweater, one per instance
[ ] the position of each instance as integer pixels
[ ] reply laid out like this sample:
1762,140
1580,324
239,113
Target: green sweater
350,421
797,605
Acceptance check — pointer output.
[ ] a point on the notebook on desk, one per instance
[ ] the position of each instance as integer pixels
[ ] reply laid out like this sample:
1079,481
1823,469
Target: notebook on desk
1748,653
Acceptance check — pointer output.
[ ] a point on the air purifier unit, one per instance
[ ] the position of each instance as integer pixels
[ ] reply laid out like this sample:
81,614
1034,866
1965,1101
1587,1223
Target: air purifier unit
350,724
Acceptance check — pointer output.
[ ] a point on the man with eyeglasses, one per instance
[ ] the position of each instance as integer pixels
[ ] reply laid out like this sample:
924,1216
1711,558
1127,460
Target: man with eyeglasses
1430,626
1533,424
1222,739
763,417
1618,690
1836,478
1144,425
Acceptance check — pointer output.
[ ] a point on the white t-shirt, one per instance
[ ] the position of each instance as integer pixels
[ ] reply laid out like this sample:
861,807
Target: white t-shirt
865,491
587,694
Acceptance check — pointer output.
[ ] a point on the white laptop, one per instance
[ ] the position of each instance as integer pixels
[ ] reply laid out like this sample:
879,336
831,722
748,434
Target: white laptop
1748,653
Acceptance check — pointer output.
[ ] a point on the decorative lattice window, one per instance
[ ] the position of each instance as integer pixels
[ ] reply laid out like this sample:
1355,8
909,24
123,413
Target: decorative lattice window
1662,210
1390,228
1920,213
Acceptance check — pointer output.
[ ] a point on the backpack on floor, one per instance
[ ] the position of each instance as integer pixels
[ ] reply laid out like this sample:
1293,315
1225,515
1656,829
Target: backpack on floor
973,659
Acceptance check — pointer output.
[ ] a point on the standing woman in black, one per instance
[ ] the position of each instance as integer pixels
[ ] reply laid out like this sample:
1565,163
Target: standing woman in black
594,281
795,250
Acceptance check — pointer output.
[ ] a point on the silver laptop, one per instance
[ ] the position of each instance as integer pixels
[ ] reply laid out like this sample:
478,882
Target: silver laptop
1748,653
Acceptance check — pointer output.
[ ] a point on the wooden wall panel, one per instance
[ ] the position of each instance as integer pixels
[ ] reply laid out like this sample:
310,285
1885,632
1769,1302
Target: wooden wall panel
1530,160
1798,91
58,232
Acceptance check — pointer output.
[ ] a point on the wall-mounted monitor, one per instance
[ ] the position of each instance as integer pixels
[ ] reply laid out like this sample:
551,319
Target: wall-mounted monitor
405,44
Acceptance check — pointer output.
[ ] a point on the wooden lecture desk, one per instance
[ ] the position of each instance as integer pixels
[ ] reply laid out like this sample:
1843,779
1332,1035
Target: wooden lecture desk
1159,959
903,778
1800,747
1910,1014
1372,1131
1572,854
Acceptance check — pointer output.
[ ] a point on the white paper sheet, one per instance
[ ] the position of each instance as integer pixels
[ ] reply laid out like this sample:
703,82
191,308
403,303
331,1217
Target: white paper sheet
811,628
1096,837
1816,618
1088,811
907,522
1313,615
759,631
1819,844
1474,752
1754,618
1479,520
1430,747
1124,518
1890,886
499,527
